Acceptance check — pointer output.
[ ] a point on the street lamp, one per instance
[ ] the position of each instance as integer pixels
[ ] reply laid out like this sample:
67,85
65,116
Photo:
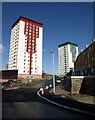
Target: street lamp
53,71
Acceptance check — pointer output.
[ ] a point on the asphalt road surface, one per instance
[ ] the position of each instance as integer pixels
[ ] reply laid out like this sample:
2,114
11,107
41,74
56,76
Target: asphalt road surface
25,103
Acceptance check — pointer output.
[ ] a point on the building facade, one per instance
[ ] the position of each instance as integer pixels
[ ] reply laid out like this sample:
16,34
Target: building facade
67,53
93,19
26,48
85,62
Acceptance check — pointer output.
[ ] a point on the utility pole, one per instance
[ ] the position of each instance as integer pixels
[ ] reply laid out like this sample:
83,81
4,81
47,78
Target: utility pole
53,71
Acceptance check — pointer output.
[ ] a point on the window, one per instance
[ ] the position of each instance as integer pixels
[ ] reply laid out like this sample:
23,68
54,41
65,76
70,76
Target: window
26,32
92,58
33,28
33,25
30,24
36,26
92,47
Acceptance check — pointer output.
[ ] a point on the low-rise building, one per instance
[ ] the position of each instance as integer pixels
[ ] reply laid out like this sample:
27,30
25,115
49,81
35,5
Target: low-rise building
85,61
8,74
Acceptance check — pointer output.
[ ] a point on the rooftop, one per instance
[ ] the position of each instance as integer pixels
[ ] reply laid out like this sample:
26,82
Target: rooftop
63,44
26,19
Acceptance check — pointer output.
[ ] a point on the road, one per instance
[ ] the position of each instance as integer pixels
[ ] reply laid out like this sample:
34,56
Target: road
25,103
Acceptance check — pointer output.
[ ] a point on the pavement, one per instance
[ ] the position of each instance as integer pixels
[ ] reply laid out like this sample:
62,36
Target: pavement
80,103
78,97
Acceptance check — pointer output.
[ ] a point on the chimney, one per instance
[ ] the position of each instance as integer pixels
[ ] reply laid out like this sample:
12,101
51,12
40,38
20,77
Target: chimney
81,50
93,40
86,46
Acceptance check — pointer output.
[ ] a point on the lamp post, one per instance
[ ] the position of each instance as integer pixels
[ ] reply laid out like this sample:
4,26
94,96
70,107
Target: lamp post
53,71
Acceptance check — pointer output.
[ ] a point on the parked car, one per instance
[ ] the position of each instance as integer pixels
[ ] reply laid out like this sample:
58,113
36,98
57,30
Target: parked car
6,84
11,81
18,81
58,80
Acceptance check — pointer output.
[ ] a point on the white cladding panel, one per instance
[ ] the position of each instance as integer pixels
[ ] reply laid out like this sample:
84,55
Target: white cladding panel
21,48
37,57
13,47
39,51
70,65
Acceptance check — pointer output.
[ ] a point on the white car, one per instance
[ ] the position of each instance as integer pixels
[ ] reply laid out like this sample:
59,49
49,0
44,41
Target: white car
58,81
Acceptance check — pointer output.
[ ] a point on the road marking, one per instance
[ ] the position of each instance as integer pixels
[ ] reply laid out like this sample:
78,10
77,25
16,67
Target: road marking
81,111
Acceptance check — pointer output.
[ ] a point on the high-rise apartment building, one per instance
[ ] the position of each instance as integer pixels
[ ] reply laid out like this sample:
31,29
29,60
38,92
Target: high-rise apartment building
67,53
26,47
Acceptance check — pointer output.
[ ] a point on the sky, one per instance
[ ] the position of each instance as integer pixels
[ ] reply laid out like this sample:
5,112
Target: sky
62,22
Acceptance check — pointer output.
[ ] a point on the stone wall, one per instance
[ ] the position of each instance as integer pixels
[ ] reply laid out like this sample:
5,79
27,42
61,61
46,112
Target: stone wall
76,82
67,84
88,85
80,84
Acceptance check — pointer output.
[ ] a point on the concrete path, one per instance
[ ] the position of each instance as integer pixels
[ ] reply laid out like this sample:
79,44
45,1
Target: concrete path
78,97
